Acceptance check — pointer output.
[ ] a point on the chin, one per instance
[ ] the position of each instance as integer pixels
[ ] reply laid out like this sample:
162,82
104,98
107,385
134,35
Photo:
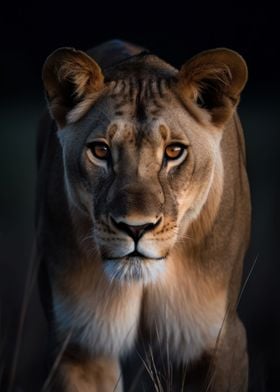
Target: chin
134,269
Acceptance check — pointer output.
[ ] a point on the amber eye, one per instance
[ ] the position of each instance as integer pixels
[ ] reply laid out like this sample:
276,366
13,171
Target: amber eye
100,150
174,151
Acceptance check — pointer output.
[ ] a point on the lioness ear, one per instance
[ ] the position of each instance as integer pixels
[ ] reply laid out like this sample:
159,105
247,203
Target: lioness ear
214,79
68,76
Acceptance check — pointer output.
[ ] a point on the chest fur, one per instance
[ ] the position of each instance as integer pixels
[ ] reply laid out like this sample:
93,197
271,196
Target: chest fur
102,320
181,312
184,319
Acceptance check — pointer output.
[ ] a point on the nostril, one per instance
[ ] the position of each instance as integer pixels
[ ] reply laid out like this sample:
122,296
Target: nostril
134,231
138,231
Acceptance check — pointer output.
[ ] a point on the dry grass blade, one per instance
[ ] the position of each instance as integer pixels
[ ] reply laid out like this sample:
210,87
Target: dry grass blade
154,368
1,372
211,374
150,372
184,379
166,368
136,379
117,383
56,362
29,284
247,280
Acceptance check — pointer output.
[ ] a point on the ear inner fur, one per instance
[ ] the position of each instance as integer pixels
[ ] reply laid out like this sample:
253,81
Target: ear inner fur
69,76
217,77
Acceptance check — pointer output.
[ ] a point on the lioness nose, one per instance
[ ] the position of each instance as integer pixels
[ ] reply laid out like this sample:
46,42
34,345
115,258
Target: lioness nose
135,231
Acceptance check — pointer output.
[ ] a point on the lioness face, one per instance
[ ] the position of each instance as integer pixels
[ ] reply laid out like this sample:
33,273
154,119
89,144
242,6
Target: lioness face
141,155
146,170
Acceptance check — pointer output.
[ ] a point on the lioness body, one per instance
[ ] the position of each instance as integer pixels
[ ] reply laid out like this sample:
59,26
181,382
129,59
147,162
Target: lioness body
182,293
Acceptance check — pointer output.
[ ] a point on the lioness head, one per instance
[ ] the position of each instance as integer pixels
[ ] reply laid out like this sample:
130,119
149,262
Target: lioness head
141,148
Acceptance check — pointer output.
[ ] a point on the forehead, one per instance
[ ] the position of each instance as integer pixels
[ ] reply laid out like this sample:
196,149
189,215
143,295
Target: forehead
139,98
145,108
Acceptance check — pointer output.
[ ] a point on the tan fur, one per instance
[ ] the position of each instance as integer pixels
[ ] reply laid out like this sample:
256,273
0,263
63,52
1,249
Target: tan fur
98,376
178,284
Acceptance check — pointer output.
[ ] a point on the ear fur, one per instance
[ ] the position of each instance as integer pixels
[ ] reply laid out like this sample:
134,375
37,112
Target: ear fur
214,79
69,75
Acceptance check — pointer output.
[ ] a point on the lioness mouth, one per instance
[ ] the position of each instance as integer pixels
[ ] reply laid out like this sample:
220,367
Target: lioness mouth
135,253
133,256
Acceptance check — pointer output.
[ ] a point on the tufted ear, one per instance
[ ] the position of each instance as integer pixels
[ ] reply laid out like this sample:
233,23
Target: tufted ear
69,75
214,80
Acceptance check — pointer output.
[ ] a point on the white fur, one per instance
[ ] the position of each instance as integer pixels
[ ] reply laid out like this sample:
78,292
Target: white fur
183,314
106,328
135,269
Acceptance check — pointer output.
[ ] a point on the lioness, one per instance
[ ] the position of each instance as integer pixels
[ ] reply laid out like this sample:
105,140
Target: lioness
143,213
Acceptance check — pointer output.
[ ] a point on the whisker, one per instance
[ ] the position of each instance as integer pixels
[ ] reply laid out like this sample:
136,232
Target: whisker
86,238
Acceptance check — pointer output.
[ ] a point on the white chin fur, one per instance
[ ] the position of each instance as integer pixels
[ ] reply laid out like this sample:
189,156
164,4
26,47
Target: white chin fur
134,270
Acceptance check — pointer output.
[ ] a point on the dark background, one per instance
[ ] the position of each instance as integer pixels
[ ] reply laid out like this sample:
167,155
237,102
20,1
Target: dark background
175,33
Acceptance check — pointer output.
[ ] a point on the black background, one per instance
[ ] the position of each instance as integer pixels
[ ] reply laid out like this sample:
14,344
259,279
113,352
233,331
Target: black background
175,32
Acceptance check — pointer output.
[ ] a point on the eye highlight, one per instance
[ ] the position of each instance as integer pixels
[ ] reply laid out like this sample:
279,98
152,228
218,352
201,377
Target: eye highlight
99,150
174,151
